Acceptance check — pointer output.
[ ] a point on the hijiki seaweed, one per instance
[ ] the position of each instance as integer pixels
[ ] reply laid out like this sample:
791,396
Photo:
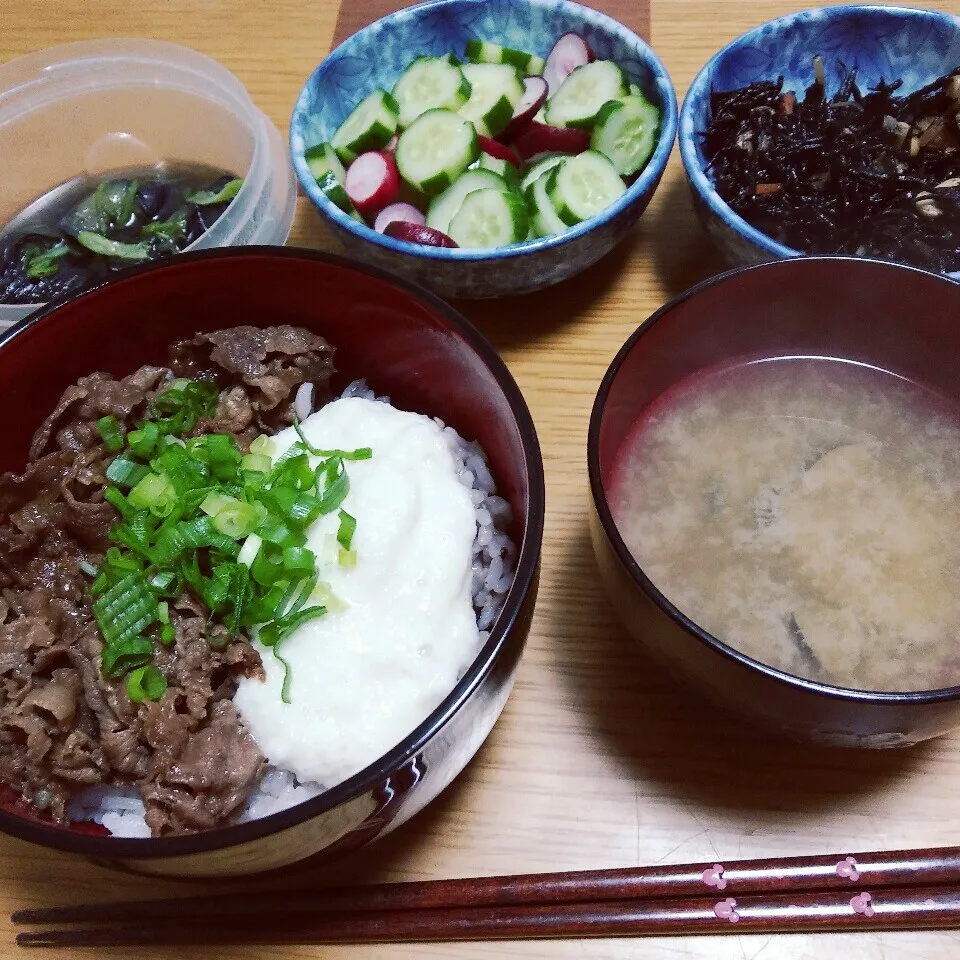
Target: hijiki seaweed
871,174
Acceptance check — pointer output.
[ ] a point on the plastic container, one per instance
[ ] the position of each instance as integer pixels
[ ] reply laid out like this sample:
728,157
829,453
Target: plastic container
95,106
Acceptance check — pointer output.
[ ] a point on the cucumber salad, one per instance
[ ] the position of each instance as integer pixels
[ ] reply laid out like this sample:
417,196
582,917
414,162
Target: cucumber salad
491,150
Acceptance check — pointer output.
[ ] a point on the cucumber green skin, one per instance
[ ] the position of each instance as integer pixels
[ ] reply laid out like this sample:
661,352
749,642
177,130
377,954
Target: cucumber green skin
529,64
457,101
503,168
546,221
627,162
333,190
539,169
569,216
583,123
500,112
376,137
321,159
517,210
443,178
445,207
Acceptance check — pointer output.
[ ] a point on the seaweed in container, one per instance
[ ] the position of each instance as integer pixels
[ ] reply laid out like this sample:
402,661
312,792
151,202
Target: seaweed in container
83,231
870,173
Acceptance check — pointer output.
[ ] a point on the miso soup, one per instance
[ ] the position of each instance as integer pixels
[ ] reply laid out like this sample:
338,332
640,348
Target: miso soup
806,512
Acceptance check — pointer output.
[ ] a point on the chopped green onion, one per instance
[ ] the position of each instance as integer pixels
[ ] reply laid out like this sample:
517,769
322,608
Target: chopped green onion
146,683
125,472
128,204
236,520
213,503
144,441
249,550
262,444
167,634
154,493
120,657
97,243
204,198
111,433
347,558
299,560
361,453
114,497
348,525
256,463
43,265
335,493
87,567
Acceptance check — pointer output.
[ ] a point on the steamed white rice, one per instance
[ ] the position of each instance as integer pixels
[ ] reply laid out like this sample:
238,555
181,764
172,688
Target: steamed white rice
119,807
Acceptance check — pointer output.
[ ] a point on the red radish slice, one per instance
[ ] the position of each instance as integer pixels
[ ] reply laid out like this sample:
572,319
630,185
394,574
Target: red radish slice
568,53
534,97
392,145
539,138
415,233
402,212
372,182
498,150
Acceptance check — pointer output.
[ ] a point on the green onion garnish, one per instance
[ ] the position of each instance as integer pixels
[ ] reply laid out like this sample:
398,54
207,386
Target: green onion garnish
204,198
146,683
197,513
345,533
111,432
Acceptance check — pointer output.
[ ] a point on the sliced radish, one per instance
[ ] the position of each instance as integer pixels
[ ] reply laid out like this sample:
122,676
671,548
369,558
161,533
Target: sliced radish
392,145
416,233
534,97
539,138
498,150
372,182
568,53
402,212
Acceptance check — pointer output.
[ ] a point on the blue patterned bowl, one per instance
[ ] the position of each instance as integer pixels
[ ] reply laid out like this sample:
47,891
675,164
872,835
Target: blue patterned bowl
378,54
881,42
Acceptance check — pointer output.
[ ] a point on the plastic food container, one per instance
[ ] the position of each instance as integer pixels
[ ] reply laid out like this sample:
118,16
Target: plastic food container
92,107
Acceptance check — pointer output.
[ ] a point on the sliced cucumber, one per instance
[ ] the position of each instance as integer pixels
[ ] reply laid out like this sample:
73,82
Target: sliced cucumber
490,218
542,166
333,190
444,208
428,83
369,127
499,166
435,149
321,159
626,133
529,64
584,92
546,221
635,91
495,90
583,186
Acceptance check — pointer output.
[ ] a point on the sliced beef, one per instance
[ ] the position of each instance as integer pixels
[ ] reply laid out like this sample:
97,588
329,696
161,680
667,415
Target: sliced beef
63,724
209,778
270,362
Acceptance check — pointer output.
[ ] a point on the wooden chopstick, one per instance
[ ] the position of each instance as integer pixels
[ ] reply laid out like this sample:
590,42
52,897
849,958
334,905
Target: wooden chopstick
887,909
863,871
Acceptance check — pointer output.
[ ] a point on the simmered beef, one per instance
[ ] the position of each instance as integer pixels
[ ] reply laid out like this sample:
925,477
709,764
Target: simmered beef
63,724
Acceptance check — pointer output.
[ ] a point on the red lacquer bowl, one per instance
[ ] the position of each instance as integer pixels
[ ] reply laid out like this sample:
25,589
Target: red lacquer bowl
407,344
893,317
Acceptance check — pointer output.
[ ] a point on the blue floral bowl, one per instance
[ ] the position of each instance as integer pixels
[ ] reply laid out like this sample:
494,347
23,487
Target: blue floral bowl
881,42
378,54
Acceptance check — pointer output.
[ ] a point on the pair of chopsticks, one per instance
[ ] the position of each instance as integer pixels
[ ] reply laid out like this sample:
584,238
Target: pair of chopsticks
891,890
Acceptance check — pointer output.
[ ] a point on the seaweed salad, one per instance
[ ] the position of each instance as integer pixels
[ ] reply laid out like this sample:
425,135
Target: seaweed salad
870,173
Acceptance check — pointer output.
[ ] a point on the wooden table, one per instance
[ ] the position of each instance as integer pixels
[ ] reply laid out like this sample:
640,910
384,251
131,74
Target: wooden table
598,759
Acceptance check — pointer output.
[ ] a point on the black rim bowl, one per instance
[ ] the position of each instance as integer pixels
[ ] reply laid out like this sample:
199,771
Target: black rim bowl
639,577
118,848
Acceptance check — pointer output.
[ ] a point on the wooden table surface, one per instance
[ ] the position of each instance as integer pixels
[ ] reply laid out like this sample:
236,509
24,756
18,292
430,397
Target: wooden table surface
598,759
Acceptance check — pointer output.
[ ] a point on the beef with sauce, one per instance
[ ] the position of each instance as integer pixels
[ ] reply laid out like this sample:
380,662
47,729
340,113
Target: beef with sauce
64,725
